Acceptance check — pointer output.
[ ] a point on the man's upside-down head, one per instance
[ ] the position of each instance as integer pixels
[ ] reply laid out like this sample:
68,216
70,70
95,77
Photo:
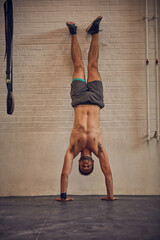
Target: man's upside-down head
86,165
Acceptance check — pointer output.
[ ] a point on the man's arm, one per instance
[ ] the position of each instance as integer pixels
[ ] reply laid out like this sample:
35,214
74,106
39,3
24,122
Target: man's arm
104,163
67,166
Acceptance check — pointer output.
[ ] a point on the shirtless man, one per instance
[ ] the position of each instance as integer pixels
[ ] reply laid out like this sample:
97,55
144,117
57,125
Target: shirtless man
87,100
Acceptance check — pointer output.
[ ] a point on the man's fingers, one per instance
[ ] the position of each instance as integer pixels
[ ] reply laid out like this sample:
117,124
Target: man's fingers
109,199
105,198
63,200
116,198
68,199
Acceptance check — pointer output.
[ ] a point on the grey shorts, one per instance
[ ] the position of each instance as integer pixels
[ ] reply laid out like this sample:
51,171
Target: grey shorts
87,93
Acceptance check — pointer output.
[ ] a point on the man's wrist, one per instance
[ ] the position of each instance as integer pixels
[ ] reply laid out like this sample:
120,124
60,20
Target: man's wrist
63,196
110,197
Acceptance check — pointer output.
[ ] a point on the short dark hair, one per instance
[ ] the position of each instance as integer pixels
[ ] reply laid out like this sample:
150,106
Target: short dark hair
92,168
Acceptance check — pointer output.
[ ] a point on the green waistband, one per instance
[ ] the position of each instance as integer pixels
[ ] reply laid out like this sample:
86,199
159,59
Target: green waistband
80,79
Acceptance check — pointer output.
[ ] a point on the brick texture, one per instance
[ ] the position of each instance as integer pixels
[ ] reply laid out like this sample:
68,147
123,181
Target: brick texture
43,66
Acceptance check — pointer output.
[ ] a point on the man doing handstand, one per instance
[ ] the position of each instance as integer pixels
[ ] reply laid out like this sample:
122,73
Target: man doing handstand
87,100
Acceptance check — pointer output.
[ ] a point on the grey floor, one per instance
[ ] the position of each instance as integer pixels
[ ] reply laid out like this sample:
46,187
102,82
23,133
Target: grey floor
87,217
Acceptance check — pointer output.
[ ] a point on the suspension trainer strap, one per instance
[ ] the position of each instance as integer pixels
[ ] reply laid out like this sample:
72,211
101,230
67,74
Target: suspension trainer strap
8,14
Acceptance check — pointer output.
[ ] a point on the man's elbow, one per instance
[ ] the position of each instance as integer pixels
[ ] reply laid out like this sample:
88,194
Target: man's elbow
64,174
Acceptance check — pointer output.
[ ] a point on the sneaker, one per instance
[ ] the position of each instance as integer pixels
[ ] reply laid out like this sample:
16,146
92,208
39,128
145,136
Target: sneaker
72,27
94,26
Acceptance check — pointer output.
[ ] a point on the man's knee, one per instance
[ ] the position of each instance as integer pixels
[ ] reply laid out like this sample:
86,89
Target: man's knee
93,66
78,66
93,73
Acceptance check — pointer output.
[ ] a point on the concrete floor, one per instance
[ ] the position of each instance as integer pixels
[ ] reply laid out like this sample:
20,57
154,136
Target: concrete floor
87,217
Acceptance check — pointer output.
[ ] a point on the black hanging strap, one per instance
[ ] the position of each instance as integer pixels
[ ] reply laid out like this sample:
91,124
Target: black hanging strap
8,13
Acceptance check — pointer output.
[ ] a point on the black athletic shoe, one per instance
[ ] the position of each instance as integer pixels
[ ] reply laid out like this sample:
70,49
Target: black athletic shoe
94,26
72,27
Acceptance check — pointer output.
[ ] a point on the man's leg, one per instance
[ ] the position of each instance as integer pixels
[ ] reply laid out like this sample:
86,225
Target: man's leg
77,58
93,73
76,52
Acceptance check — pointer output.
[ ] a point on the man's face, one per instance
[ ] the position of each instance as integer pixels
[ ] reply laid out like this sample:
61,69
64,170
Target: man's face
86,165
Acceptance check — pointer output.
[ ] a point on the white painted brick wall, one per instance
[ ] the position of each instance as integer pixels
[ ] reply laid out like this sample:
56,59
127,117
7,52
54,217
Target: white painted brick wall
43,70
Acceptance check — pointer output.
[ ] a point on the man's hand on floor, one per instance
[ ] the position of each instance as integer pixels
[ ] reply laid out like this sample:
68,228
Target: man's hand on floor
109,199
64,200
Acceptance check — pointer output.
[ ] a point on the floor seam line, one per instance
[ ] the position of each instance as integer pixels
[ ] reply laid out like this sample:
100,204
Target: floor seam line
41,227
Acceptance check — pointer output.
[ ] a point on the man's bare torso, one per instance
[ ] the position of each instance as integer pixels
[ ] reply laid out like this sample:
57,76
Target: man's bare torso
86,131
